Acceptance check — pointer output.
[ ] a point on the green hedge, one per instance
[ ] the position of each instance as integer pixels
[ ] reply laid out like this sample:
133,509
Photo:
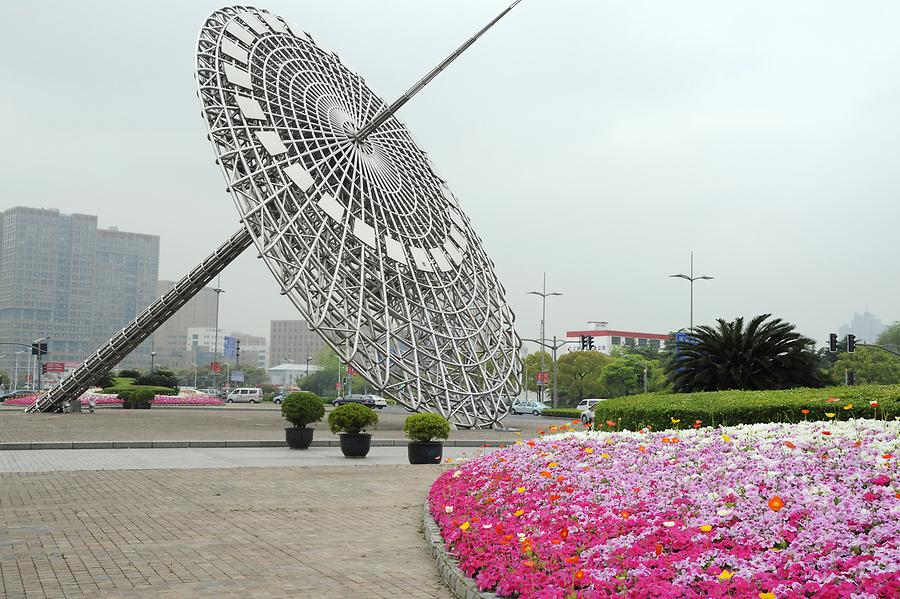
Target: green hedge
725,408
570,413
156,390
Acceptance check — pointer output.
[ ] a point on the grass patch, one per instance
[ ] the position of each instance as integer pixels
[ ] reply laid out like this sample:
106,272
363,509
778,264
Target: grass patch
132,387
726,408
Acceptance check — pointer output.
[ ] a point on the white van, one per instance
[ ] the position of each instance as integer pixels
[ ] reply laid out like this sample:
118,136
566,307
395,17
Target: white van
245,395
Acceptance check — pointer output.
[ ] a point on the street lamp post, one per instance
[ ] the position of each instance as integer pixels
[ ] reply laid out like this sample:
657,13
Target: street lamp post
555,346
544,294
195,374
152,361
692,278
308,360
218,291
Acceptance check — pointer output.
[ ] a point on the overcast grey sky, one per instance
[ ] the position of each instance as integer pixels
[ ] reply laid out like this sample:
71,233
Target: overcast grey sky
600,141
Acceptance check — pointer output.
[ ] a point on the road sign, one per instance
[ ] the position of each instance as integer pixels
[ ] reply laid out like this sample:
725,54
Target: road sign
237,376
350,371
230,344
542,378
339,386
55,366
215,367
685,338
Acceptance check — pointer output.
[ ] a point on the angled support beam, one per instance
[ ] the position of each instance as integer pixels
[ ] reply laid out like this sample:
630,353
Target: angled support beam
136,332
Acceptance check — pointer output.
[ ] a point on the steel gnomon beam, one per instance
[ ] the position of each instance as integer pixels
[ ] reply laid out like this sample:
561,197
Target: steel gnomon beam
135,332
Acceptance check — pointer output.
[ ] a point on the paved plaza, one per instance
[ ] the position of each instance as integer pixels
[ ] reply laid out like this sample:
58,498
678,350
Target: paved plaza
329,531
214,522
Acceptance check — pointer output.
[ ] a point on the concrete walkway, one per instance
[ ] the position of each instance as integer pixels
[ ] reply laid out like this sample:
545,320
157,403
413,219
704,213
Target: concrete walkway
67,460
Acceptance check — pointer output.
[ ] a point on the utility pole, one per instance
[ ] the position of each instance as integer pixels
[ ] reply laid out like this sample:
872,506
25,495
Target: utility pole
544,295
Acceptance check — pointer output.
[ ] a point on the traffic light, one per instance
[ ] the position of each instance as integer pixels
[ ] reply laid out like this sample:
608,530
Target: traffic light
590,342
39,349
851,343
832,342
587,342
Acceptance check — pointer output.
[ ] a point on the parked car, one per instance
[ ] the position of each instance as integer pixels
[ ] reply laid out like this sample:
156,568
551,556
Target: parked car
15,394
587,409
245,395
529,407
371,401
209,391
278,398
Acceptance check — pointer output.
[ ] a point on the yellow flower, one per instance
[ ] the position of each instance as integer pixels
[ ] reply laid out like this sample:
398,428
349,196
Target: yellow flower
518,513
829,414
464,525
725,575
604,456
588,450
706,528
552,465
520,490
726,438
767,596
676,420
849,406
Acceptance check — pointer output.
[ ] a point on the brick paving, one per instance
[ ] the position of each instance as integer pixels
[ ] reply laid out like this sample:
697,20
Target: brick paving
225,423
323,532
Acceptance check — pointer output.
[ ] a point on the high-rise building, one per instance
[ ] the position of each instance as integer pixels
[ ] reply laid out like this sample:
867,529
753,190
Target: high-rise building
170,341
61,277
865,326
292,342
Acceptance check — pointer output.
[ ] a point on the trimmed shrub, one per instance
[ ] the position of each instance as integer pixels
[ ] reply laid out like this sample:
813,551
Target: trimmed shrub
129,373
426,427
143,398
302,408
726,408
352,418
156,390
562,413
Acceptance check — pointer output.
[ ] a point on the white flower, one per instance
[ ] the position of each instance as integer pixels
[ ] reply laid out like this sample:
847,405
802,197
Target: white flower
487,526
668,524
724,511
448,509
457,473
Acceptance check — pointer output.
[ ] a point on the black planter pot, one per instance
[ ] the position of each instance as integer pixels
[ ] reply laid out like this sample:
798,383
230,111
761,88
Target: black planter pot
425,453
298,438
356,446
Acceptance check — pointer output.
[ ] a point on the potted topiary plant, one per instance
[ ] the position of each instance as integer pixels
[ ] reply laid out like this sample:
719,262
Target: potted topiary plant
424,431
300,409
352,419
143,399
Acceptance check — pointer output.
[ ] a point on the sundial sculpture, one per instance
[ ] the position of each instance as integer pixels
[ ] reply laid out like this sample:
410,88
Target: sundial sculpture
364,238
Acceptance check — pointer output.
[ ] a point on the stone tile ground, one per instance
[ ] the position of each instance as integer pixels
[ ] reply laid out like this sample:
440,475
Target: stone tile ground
259,532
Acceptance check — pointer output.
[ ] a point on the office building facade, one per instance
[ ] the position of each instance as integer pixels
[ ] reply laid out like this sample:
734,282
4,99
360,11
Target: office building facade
292,342
64,278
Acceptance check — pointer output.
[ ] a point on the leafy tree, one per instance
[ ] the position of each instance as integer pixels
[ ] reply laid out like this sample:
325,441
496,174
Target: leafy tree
105,380
253,376
532,365
4,379
578,373
890,336
871,365
322,382
764,355
625,376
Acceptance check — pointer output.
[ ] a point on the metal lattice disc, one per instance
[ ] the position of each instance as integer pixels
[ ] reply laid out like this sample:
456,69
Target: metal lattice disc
364,238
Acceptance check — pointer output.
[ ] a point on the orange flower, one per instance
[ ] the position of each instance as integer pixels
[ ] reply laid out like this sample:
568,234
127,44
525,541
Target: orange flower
564,533
790,445
529,563
804,411
776,503
531,443
887,456
642,449
657,549
560,478
572,559
579,574
545,474
554,497
576,422
518,513
611,422
624,514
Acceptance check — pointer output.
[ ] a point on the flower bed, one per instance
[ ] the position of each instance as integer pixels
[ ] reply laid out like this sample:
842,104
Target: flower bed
764,510
106,399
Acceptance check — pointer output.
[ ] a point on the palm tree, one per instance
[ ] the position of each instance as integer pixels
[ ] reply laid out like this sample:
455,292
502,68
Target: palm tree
762,355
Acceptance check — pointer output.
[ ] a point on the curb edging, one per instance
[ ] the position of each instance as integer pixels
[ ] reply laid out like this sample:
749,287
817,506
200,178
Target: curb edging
460,585
35,445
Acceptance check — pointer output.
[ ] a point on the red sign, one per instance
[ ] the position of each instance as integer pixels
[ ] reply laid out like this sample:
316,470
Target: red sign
350,371
54,366
339,386
215,367
542,378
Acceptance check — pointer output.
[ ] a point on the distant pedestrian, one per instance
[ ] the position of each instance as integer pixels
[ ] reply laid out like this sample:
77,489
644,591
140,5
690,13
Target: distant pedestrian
91,403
